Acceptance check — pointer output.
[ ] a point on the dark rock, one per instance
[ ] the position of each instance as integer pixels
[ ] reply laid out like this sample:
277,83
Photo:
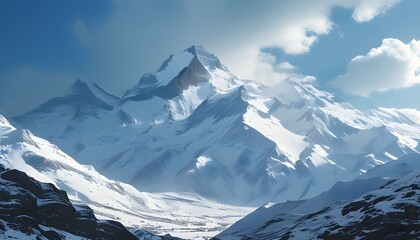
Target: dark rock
354,206
26,205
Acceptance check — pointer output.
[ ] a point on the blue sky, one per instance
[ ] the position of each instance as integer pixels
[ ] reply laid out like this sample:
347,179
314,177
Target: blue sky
46,45
330,55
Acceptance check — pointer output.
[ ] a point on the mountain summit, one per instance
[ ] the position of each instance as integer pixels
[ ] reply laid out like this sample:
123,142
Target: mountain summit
193,126
193,67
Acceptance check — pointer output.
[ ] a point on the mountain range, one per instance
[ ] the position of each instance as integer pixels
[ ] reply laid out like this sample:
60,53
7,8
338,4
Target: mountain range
194,140
194,126
142,212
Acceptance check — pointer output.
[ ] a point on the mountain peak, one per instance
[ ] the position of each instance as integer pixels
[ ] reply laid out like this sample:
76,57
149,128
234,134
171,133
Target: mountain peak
80,86
190,57
191,67
388,115
301,88
193,49
81,99
208,59
5,125
199,50
3,120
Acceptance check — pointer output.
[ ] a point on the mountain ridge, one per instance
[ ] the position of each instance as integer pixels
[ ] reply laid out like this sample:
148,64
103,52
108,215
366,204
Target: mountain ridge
300,136
327,215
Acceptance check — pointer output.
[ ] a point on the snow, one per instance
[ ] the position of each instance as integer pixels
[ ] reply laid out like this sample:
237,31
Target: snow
175,65
232,141
66,235
307,139
182,106
223,80
5,126
293,216
183,215
180,214
13,234
202,161
395,120
273,130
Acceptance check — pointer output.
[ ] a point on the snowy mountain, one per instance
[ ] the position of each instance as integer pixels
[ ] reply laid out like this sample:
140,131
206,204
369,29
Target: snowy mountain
194,127
21,150
109,199
371,206
396,121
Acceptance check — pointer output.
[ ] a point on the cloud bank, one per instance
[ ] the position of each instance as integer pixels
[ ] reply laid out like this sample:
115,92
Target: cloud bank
367,10
137,36
115,46
392,65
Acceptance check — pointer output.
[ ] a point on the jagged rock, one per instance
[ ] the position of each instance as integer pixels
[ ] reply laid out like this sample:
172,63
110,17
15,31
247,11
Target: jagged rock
30,207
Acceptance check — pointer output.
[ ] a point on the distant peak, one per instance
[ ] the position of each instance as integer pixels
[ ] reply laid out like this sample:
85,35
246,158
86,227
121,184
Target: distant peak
91,90
197,49
391,114
79,85
4,121
78,82
5,125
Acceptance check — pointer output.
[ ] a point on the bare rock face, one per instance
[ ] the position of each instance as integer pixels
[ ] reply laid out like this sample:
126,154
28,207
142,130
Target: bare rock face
40,210
400,219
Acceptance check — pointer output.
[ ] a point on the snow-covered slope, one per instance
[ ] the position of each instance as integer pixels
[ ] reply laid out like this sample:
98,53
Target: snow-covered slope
396,121
40,159
194,127
179,215
327,215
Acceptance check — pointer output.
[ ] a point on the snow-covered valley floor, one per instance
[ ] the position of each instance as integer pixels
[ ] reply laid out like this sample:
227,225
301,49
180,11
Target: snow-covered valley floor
182,215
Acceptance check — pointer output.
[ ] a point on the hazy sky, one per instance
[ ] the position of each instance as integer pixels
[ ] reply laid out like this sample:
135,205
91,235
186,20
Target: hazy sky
365,51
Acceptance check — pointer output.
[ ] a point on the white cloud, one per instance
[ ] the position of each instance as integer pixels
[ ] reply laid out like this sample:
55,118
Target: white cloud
137,36
393,65
411,113
367,10
270,73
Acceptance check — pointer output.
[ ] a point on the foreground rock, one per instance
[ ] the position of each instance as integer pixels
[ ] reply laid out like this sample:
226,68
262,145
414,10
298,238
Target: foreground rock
34,210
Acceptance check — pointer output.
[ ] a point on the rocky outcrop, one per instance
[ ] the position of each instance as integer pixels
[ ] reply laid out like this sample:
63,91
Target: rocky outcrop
41,211
390,212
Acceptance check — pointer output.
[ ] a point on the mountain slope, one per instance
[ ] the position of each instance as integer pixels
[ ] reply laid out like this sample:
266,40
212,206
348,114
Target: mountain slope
336,214
194,127
110,199
396,122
